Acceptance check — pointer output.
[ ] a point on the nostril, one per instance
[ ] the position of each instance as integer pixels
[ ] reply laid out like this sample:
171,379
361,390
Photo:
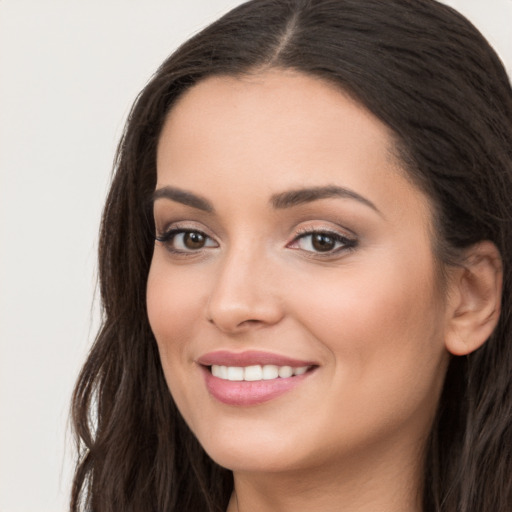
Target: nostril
250,322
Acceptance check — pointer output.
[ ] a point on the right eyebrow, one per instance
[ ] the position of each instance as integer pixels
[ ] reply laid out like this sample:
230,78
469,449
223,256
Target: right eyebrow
297,197
183,197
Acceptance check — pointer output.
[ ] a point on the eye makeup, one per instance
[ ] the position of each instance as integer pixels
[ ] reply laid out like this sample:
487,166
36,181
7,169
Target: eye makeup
322,242
183,240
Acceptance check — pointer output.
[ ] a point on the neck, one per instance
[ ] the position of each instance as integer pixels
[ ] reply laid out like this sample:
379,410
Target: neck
366,484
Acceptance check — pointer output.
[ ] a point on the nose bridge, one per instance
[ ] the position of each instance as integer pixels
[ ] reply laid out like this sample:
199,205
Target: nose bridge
243,293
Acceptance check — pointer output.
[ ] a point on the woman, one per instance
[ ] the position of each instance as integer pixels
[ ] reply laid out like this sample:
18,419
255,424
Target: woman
305,267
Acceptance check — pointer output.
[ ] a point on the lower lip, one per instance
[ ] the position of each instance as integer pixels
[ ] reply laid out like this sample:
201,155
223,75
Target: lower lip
242,393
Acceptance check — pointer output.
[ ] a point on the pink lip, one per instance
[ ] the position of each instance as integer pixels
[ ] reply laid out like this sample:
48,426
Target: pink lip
250,357
244,393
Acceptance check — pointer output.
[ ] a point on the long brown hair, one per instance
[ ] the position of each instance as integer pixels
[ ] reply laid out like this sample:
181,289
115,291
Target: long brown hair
428,74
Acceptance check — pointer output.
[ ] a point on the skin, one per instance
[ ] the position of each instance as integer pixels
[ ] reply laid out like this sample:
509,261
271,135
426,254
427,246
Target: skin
373,317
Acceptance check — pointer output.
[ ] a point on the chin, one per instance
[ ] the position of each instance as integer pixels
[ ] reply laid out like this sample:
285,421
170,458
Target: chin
253,450
253,459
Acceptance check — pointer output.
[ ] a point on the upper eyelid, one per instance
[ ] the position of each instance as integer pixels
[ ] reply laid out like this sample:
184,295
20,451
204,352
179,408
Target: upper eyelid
168,236
184,225
334,234
346,245
338,230
303,229
177,230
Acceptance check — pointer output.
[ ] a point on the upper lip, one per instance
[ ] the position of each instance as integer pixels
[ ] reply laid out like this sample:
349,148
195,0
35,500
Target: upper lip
250,358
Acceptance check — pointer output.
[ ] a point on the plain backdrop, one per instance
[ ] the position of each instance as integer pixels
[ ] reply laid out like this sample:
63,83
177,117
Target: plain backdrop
69,71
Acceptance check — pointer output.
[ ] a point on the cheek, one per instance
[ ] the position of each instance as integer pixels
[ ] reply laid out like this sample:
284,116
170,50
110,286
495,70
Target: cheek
383,328
175,294
174,304
385,299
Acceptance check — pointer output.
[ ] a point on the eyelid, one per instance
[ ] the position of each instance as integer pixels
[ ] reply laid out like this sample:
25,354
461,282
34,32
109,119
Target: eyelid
344,238
322,228
174,229
348,241
170,233
182,225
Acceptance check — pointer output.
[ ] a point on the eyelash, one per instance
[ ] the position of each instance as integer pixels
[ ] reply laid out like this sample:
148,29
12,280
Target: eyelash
169,236
346,244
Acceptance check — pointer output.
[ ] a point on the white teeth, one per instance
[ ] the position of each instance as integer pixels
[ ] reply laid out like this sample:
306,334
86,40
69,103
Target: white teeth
253,372
270,371
256,372
300,371
220,371
235,373
223,374
285,371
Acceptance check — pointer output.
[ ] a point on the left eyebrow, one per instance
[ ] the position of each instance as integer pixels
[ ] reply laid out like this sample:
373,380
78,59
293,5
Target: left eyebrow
182,196
297,197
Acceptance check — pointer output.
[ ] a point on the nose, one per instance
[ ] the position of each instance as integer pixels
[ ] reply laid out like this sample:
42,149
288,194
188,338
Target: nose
244,295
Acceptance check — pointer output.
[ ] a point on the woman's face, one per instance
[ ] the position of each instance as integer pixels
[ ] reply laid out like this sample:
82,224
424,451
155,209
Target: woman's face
291,242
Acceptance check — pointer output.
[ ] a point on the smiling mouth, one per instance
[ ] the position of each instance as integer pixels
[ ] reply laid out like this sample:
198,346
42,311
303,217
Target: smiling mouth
252,384
254,373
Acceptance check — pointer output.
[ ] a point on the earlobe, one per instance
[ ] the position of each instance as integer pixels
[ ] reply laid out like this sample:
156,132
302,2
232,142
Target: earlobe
474,299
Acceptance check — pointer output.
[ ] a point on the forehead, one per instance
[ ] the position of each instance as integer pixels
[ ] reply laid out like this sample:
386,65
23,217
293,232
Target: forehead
285,106
277,130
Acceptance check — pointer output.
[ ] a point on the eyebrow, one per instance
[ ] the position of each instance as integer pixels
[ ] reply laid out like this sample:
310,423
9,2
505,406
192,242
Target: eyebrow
297,197
183,197
283,200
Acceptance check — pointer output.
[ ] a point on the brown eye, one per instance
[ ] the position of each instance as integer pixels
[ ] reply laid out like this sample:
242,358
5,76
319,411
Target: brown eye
194,240
186,241
323,242
326,242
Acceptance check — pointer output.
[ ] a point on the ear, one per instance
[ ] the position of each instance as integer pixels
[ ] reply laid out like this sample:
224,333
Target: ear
474,299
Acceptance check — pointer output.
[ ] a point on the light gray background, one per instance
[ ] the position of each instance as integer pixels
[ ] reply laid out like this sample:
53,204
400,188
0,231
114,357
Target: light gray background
69,71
